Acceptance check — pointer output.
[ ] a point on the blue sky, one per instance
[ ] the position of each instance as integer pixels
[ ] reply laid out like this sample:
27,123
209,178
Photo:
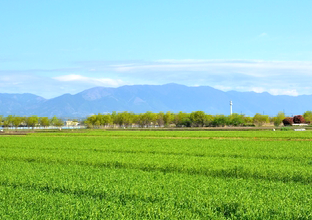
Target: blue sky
54,47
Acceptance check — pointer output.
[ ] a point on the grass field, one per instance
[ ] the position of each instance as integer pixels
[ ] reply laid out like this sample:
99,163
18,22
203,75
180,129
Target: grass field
156,175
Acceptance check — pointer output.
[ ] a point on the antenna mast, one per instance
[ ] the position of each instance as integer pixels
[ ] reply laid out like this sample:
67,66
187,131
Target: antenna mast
231,104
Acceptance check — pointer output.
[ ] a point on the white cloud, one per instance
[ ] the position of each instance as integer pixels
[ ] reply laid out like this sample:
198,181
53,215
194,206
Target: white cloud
90,80
275,77
223,88
289,92
71,77
48,87
255,68
257,89
292,92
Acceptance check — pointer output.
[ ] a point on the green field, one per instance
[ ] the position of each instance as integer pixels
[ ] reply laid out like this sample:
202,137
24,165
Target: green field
156,175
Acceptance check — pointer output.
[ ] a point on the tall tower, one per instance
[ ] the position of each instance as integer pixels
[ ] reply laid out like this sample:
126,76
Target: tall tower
231,104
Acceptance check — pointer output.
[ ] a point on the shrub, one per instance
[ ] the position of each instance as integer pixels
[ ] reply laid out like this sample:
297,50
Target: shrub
285,128
288,121
298,119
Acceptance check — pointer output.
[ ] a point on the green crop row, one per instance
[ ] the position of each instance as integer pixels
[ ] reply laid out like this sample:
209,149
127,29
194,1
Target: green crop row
180,134
59,191
125,175
287,161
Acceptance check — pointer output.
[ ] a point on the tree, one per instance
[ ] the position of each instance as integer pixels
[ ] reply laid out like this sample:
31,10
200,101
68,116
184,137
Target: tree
8,121
146,119
59,123
219,120
17,121
298,119
140,120
168,117
53,120
56,122
114,117
288,121
198,118
160,119
136,119
259,119
308,116
90,121
106,120
32,121
182,119
98,121
248,120
278,119
124,119
97,124
209,120
236,120
45,122
150,118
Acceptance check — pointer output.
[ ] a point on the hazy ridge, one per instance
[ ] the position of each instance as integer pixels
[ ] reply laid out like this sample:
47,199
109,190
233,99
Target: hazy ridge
156,98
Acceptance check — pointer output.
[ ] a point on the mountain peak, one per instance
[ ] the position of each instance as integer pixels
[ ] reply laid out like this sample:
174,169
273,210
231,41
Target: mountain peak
141,98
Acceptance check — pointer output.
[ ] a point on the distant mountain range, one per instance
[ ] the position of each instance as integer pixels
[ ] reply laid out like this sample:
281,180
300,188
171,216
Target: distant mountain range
141,98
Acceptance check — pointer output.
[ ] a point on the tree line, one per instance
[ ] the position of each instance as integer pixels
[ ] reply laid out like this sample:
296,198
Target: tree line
150,119
31,121
182,119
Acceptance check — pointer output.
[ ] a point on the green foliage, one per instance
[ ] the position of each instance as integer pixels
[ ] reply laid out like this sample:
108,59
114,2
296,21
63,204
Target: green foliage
259,119
147,119
286,128
168,117
182,119
279,118
198,118
54,121
308,116
32,121
123,119
219,121
17,121
58,123
236,120
160,119
209,120
174,175
44,121
8,121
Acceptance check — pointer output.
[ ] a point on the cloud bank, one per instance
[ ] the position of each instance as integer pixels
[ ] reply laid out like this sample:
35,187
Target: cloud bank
275,77
90,80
